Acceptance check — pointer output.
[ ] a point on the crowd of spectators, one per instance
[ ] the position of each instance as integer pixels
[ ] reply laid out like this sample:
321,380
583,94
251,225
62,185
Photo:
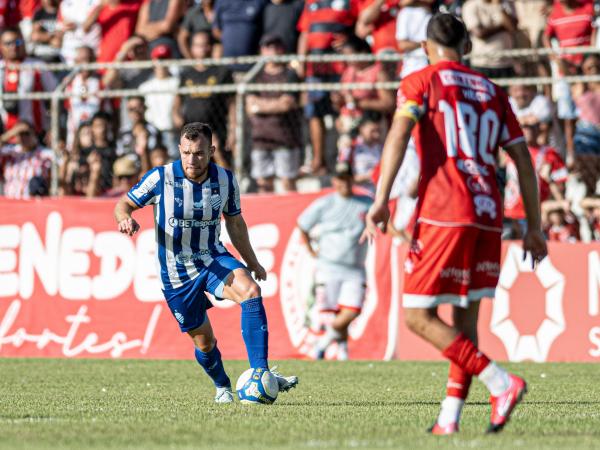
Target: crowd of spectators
105,144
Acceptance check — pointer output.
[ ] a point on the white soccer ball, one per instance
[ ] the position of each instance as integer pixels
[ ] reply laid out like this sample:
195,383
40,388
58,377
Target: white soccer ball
257,386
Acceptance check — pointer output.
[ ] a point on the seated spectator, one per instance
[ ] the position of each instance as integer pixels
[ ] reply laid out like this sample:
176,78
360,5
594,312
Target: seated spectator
45,39
410,32
26,166
322,23
159,107
275,121
531,107
587,131
73,175
126,173
117,20
365,152
71,17
591,206
100,156
559,222
238,26
138,137
280,18
87,83
216,110
352,103
200,17
492,25
159,156
551,173
158,21
13,80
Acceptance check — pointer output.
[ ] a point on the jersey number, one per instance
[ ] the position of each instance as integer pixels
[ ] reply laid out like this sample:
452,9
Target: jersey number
477,134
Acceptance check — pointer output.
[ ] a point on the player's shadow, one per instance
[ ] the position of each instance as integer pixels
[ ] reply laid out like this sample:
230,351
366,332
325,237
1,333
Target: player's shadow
435,403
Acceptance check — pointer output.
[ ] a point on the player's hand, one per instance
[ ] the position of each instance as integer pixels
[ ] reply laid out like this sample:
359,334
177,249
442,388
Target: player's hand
259,272
534,243
375,221
129,226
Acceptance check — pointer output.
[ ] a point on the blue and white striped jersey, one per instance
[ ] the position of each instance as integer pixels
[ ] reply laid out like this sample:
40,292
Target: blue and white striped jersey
187,217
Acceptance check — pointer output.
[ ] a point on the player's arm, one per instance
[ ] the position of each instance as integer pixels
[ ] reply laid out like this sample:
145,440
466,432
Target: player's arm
391,160
533,241
123,210
238,233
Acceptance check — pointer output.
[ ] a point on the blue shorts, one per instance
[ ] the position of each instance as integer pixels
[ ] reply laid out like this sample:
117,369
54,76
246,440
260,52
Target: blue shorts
189,303
319,102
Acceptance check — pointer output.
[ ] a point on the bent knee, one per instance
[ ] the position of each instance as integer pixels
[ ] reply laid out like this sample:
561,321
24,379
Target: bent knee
252,290
204,343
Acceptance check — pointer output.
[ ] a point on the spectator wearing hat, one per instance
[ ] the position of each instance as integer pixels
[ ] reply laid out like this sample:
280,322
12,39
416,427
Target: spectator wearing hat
275,119
25,166
158,22
159,107
126,172
340,276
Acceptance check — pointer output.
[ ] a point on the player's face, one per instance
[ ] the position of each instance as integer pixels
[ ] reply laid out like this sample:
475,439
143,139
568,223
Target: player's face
195,156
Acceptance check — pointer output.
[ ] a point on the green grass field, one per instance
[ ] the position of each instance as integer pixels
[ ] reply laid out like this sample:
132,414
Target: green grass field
168,404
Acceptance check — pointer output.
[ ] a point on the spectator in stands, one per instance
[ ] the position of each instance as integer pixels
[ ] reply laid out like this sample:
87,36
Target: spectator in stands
559,222
133,49
9,14
591,206
126,173
158,22
25,167
138,137
411,30
280,18
587,131
365,152
86,83
352,103
13,80
492,25
159,107
323,23
71,17
275,121
238,26
532,16
159,156
100,156
551,173
45,38
27,9
531,107
199,17
216,110
117,20
73,171
377,18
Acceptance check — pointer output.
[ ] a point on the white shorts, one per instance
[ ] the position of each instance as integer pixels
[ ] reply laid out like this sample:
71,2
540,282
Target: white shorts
280,163
335,291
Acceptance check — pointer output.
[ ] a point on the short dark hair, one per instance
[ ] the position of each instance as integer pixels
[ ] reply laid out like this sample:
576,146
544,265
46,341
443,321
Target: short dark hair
211,39
447,30
357,44
14,30
102,116
194,130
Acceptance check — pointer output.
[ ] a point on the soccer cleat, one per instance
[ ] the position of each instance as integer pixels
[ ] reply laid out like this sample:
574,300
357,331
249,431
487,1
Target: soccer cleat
320,354
224,395
285,383
503,405
438,430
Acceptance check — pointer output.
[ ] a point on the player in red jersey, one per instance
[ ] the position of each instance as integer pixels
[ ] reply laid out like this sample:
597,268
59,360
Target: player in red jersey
458,119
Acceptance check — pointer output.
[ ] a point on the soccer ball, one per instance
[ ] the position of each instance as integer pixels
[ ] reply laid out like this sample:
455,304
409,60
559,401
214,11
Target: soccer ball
256,386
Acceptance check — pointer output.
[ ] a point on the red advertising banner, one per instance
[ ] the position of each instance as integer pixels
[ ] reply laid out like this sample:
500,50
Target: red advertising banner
72,286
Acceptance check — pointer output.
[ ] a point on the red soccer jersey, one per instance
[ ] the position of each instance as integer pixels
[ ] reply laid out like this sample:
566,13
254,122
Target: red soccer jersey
384,28
549,168
461,119
571,29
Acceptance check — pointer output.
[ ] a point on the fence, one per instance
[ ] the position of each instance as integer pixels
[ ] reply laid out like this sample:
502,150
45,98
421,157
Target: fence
246,86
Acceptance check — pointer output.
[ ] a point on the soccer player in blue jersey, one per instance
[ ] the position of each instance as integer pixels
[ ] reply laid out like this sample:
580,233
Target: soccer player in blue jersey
189,197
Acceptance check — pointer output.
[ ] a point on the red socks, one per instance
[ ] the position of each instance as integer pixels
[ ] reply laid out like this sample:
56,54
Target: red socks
458,382
466,356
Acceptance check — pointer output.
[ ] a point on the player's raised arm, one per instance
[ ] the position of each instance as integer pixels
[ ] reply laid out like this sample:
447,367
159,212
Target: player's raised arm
533,241
123,211
238,232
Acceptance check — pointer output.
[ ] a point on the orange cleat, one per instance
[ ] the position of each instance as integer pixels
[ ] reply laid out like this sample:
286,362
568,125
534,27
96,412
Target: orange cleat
438,430
503,405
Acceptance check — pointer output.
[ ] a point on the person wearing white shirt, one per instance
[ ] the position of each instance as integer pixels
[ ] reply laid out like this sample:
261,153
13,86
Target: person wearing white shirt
411,30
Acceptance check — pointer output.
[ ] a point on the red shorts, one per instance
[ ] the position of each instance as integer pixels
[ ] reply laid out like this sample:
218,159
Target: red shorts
453,265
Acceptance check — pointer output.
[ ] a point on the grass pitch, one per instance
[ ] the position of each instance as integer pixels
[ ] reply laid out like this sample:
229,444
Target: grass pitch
168,404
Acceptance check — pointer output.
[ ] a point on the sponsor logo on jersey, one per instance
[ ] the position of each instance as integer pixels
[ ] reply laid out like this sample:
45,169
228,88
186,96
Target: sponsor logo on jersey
179,201
178,316
191,223
478,185
460,276
484,204
466,80
470,167
185,258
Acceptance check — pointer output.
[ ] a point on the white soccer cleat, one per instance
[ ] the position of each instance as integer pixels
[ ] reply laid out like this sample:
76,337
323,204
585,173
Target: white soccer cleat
224,395
285,383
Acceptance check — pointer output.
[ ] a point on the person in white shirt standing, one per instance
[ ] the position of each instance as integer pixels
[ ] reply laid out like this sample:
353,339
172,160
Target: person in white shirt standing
411,30
71,16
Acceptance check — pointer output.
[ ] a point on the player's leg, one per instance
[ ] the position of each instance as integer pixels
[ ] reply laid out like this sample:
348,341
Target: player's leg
328,292
228,278
209,357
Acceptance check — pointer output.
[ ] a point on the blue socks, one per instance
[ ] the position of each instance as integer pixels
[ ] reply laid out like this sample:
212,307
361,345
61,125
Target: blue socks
255,332
212,364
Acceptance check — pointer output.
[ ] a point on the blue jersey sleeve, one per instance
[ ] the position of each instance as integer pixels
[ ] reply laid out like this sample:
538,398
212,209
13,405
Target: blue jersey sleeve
148,190
233,204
